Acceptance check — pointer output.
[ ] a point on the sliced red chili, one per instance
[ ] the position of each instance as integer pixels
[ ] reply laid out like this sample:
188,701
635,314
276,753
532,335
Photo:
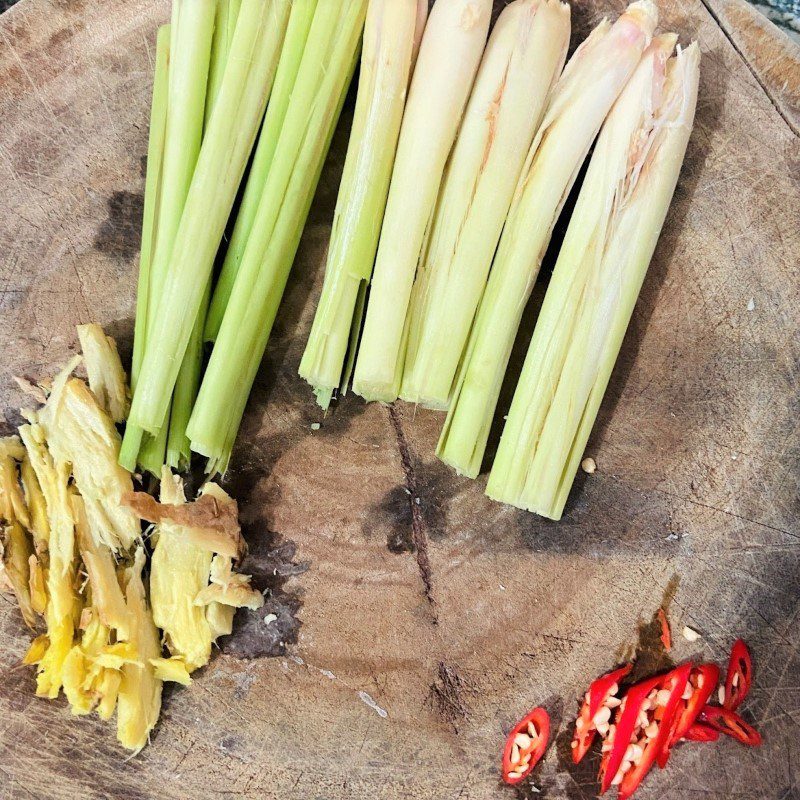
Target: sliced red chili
594,699
700,732
628,716
525,745
739,677
703,680
731,724
666,634
674,682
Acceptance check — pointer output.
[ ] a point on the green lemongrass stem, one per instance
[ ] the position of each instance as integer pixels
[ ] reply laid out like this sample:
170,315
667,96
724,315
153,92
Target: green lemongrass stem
451,49
291,54
223,156
597,279
589,85
190,49
322,80
385,66
132,441
241,393
522,62
152,194
224,27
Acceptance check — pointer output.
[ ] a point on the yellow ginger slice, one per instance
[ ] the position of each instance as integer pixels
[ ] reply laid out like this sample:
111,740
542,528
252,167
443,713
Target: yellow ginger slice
107,378
37,508
98,559
139,699
229,588
178,572
12,501
63,606
37,650
172,669
37,584
16,549
81,434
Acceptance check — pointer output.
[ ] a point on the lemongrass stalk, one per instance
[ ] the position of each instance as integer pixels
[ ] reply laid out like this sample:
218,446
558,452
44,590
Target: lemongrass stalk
448,59
523,60
152,196
224,27
223,156
383,82
597,279
190,48
589,85
322,80
291,54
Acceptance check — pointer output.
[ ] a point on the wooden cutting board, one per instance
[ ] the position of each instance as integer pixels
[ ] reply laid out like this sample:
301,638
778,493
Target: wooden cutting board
429,618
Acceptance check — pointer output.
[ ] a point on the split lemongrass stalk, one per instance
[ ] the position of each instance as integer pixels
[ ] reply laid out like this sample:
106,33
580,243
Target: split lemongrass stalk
302,14
129,453
522,62
385,67
224,27
322,80
451,50
597,278
223,156
591,82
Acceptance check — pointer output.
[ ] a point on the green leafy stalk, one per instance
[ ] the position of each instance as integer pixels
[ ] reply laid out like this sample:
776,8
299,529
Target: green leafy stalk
596,281
291,54
228,140
589,85
152,195
322,80
385,67
224,27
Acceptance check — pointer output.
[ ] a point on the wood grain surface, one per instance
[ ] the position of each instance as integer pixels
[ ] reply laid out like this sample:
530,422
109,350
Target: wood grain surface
430,618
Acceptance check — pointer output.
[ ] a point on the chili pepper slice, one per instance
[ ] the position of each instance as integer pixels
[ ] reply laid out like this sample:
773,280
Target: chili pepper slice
703,679
666,634
599,691
739,677
675,682
731,724
624,726
527,740
700,732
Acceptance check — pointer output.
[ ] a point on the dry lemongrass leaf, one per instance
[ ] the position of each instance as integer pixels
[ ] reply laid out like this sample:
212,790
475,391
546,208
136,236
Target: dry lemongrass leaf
30,389
207,523
107,378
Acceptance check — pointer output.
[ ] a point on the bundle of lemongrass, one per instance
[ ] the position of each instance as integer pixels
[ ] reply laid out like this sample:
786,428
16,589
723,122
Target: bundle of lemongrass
469,211
73,554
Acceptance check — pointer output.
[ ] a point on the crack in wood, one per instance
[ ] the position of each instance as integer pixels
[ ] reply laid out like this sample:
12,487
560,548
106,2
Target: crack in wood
419,534
729,36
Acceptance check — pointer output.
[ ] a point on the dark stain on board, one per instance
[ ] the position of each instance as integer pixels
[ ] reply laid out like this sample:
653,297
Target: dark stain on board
267,632
120,232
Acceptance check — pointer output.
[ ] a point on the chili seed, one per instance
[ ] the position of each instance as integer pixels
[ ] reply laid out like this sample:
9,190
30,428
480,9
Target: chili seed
613,702
618,778
532,731
522,741
573,745
651,731
602,728
701,680
687,692
690,634
580,723
588,465
662,698
735,680
603,715
514,754
721,694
